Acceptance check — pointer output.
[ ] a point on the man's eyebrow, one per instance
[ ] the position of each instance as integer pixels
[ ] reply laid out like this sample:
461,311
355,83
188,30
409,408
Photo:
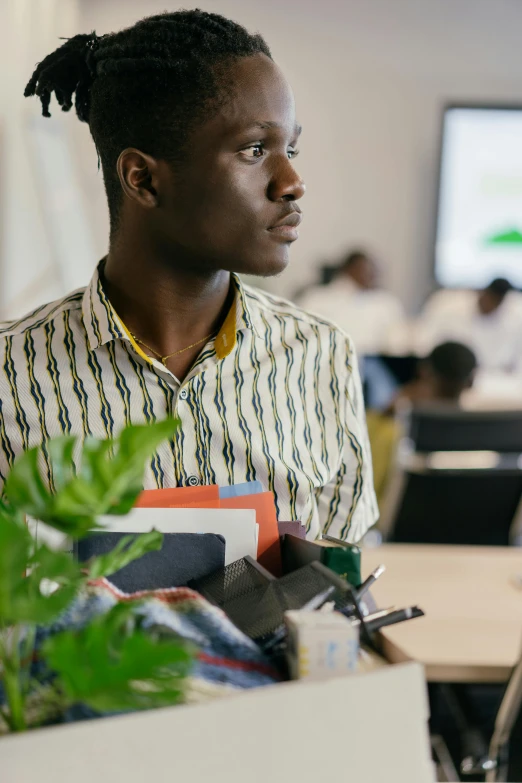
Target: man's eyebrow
269,124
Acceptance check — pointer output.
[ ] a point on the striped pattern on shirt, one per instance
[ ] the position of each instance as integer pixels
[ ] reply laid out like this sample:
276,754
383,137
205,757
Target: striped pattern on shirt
275,397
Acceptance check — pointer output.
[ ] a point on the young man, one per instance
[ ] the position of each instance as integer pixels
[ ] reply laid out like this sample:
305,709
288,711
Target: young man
196,133
354,300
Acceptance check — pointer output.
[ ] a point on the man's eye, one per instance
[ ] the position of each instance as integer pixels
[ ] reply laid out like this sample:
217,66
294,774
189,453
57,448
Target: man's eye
292,153
254,151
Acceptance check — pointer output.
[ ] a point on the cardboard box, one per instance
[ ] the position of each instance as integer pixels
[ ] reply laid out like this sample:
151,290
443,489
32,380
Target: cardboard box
366,728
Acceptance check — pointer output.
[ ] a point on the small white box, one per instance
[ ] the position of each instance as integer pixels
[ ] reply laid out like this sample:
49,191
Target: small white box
320,645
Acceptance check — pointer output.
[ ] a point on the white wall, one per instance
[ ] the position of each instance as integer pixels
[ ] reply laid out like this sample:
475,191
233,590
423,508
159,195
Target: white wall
28,272
370,78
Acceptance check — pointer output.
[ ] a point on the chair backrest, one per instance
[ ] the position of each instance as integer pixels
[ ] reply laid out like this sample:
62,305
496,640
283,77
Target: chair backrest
452,429
459,479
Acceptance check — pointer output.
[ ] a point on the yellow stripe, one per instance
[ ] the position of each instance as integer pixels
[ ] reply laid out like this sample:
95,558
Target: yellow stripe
226,339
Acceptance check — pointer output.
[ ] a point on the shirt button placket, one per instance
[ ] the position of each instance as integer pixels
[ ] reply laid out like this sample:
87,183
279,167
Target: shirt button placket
192,481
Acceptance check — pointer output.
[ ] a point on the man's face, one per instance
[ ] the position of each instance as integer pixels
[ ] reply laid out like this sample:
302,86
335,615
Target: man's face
365,273
232,204
488,302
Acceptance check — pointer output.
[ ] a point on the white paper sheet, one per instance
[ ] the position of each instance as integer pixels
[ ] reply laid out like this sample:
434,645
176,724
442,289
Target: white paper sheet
237,526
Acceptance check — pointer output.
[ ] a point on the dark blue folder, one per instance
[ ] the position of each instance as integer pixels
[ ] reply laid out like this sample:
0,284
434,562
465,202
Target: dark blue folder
182,558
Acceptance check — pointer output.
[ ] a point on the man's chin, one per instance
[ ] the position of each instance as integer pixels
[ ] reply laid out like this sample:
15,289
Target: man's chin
270,266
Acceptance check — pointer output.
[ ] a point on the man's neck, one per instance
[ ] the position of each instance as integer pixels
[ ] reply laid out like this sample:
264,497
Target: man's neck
351,283
164,305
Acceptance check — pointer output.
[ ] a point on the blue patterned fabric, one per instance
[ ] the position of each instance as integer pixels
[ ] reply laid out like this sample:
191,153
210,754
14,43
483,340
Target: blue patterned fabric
226,659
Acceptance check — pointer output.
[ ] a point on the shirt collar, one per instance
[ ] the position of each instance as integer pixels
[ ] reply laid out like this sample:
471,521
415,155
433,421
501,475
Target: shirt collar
103,325
101,322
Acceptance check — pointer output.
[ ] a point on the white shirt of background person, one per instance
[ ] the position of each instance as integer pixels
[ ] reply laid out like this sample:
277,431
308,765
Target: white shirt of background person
370,315
489,322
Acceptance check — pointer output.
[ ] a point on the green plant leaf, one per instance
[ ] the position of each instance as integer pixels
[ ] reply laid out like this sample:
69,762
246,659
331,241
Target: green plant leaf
7,510
108,481
21,596
127,549
59,568
112,665
24,486
15,549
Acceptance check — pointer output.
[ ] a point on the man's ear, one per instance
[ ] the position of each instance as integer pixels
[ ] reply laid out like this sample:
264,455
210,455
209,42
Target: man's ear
471,380
138,174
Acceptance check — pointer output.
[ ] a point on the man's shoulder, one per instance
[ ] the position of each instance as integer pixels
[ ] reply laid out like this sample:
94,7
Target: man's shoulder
271,305
41,316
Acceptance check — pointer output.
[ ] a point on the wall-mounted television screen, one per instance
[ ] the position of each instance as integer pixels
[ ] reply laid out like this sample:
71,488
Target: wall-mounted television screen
479,215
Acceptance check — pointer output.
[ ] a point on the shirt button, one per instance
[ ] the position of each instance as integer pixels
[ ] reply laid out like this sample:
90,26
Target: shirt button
183,394
193,481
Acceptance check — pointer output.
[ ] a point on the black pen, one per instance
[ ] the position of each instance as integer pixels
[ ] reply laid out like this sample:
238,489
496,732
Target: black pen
370,580
339,542
390,618
372,616
318,600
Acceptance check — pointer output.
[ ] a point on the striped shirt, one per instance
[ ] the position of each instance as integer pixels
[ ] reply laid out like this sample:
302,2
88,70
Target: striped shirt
275,397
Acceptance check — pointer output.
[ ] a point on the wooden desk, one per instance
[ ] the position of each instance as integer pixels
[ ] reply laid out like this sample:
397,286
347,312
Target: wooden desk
472,631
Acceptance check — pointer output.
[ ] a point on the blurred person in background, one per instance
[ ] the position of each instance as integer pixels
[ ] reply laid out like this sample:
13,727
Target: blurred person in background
355,301
442,379
488,321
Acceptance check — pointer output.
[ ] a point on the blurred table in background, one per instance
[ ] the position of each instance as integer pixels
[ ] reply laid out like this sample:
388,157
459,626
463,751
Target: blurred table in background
494,392
472,597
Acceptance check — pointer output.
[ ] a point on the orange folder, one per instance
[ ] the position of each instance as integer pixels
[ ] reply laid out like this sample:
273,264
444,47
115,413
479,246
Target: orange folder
179,497
268,550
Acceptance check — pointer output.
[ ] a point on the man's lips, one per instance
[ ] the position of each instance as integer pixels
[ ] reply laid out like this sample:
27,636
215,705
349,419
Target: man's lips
286,228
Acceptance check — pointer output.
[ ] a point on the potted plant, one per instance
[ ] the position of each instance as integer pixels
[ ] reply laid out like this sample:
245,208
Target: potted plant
111,663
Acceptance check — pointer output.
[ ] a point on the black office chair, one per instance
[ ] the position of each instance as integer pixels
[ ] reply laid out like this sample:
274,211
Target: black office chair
458,480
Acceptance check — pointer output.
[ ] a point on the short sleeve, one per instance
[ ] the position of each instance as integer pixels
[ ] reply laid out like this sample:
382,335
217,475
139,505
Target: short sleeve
347,504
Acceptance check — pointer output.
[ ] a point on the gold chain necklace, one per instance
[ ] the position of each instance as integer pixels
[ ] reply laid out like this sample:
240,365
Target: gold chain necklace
164,359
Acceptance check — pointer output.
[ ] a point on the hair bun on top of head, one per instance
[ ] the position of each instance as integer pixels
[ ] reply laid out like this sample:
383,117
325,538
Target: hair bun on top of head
68,71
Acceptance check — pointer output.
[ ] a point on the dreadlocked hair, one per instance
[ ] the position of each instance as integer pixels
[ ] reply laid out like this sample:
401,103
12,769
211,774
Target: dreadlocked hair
146,86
